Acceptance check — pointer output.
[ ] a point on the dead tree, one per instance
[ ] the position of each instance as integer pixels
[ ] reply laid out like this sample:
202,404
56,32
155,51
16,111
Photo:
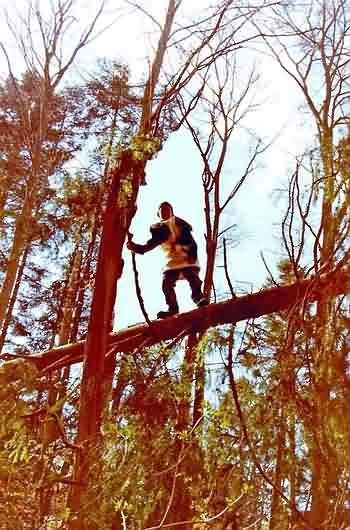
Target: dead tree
223,108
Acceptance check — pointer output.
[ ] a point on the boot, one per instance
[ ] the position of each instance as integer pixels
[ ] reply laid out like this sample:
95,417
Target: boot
165,314
202,302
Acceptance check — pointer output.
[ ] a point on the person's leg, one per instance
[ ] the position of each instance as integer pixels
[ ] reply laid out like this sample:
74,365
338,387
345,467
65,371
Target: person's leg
192,276
168,286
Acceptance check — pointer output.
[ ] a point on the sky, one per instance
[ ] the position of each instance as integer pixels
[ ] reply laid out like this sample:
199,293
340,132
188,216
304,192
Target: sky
175,173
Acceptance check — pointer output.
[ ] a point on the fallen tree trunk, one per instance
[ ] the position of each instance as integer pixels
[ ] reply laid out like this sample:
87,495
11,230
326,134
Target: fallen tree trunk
234,310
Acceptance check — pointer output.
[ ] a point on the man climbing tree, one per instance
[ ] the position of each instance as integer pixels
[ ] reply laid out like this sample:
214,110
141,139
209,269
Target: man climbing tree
174,235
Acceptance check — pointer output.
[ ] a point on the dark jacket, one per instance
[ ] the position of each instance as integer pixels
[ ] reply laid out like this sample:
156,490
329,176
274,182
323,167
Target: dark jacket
175,237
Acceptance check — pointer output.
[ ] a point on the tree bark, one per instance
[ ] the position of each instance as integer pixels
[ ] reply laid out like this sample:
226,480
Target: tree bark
276,515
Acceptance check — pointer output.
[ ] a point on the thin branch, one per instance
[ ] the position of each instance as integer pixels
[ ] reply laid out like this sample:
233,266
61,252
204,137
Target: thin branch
145,12
268,270
226,272
202,521
137,285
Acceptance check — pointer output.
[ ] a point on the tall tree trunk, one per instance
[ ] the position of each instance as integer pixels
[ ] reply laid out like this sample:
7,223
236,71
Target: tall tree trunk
13,298
276,517
121,207
323,470
20,240
110,363
109,269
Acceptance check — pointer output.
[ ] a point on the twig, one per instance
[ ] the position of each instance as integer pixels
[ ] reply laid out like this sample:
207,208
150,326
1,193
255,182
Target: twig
68,481
180,336
137,285
13,356
268,270
253,524
214,292
145,12
180,457
123,519
63,434
44,412
182,452
226,271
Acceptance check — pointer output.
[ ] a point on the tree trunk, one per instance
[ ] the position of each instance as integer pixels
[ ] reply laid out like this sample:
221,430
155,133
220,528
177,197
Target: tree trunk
276,516
13,264
230,311
121,207
323,470
109,269
13,298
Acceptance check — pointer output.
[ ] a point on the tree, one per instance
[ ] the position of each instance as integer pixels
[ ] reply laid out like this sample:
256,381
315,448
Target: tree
67,126
223,109
46,69
125,445
318,64
229,311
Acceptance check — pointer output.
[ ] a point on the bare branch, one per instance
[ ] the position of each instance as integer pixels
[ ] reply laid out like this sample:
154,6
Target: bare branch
145,12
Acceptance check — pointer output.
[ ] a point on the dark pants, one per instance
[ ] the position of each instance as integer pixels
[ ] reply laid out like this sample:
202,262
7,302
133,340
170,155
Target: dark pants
169,280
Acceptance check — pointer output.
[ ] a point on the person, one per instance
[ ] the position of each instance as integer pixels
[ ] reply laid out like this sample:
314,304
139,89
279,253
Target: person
174,236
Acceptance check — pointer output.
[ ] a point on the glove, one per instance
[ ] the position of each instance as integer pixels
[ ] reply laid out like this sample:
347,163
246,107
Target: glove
131,246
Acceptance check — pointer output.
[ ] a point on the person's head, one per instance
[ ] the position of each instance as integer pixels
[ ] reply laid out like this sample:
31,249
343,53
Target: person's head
165,211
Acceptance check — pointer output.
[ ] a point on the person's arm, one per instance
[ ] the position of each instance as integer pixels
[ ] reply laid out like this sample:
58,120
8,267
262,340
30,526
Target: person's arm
160,233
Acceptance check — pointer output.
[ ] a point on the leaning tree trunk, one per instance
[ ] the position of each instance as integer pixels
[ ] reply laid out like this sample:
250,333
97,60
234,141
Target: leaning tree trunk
121,207
119,213
13,298
13,263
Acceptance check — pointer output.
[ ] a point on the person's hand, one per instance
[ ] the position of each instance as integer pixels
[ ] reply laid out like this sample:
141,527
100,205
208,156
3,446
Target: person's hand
131,246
